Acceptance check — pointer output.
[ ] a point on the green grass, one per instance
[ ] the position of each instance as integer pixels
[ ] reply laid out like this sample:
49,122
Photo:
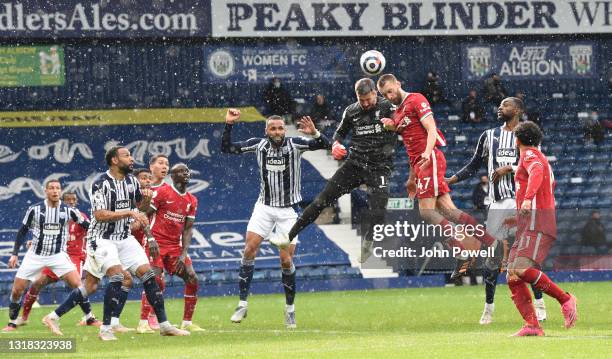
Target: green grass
395,323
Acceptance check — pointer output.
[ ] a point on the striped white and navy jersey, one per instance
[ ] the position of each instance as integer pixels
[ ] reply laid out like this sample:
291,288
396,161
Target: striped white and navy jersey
279,167
496,147
49,226
108,193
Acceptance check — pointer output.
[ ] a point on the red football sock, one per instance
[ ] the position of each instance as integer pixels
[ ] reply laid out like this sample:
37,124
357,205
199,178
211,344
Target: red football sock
521,296
541,281
191,299
145,307
30,297
484,238
451,241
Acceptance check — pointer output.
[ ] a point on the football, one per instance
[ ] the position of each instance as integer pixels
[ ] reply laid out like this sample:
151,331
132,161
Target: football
372,62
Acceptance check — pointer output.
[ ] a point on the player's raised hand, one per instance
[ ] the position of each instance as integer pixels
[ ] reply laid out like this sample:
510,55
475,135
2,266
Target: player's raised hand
13,262
424,161
411,188
307,126
232,116
338,150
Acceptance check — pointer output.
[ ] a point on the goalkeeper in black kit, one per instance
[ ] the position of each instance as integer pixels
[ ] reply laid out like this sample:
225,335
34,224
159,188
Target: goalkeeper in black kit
369,161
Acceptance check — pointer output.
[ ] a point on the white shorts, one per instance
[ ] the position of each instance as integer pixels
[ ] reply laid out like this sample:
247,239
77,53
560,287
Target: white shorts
127,252
33,264
498,212
265,218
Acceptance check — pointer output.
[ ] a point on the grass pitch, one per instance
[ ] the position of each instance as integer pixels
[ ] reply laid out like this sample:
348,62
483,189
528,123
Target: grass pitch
391,323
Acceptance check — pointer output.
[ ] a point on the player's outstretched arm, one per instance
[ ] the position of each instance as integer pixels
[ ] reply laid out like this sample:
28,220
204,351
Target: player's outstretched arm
227,146
318,140
478,158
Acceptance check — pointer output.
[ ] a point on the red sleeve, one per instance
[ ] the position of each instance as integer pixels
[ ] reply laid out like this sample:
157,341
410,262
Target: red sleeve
421,106
535,169
194,208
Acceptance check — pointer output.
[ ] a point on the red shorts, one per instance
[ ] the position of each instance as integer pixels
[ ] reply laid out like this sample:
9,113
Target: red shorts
430,180
167,259
532,245
78,263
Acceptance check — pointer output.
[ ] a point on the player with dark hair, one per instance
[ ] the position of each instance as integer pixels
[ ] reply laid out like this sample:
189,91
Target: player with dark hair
536,232
159,165
75,247
279,160
414,120
111,247
369,161
173,210
497,148
49,222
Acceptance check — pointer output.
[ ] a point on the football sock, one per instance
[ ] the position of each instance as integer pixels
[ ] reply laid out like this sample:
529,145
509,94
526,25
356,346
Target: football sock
537,294
490,280
522,300
541,281
14,307
123,295
191,299
145,307
76,296
154,295
112,297
245,276
484,237
288,279
29,300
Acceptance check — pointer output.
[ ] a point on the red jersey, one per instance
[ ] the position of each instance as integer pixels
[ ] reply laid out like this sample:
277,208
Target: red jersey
535,181
76,239
407,117
140,234
155,187
172,209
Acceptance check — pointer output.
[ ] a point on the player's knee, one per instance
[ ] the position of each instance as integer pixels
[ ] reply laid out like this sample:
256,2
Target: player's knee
250,250
148,275
16,293
286,263
518,272
90,286
118,277
127,280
